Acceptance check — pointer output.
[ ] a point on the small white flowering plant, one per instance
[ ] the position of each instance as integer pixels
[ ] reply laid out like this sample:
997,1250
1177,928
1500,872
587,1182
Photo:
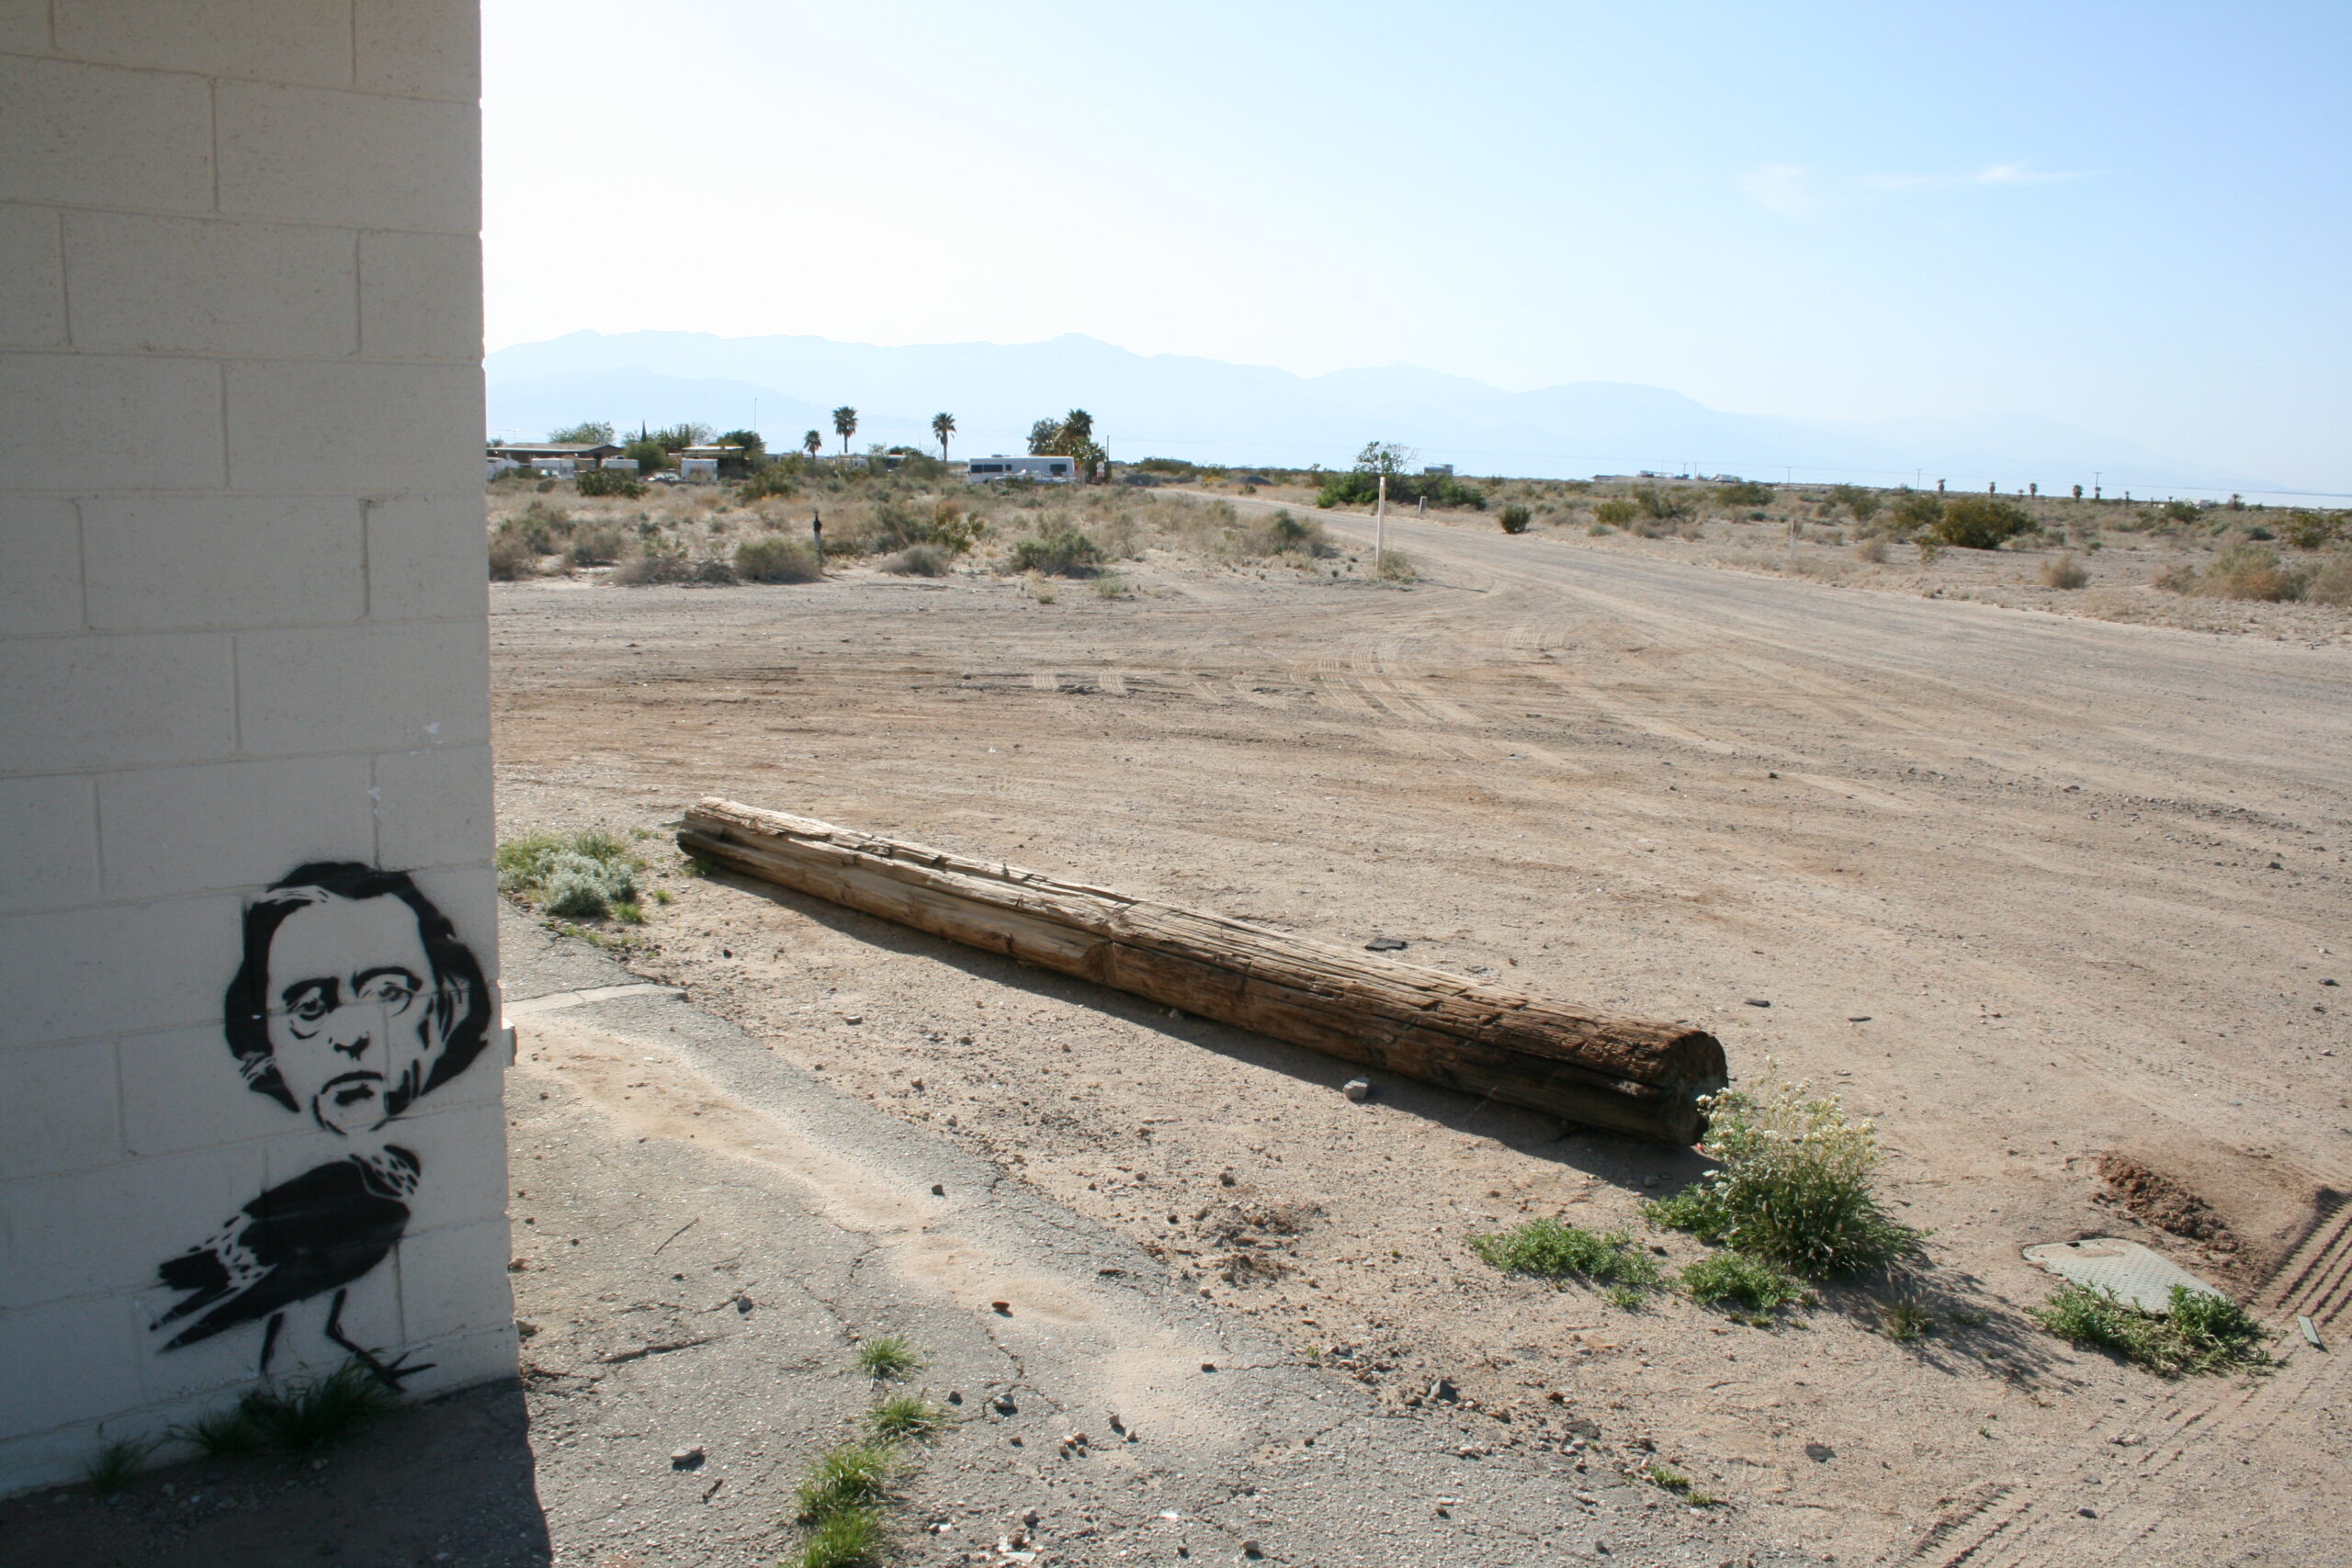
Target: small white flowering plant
1795,1186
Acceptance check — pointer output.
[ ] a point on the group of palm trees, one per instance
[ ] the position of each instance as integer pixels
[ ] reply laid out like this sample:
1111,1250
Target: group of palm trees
943,426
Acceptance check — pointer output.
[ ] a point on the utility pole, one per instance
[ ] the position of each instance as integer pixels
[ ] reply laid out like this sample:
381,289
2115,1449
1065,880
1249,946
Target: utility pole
1380,528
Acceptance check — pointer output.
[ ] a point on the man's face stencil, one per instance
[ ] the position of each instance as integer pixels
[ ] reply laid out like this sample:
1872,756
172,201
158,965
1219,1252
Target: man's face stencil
356,1018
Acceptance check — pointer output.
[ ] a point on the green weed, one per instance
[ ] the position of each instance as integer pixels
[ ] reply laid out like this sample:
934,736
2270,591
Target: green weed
847,1537
116,1466
1554,1250
887,1356
2201,1333
905,1418
1746,1282
581,876
852,1477
312,1414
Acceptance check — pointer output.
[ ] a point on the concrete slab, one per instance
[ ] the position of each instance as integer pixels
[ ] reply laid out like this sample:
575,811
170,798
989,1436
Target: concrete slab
2139,1277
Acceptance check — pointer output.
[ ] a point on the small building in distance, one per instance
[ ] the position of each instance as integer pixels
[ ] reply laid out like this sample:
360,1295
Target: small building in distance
1046,468
1445,468
590,453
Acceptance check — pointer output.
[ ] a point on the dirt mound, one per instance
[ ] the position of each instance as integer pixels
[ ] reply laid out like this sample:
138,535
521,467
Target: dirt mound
2155,1199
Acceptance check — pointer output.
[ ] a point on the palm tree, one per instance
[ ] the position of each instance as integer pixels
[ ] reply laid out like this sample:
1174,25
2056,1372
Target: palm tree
844,425
812,443
943,426
1076,426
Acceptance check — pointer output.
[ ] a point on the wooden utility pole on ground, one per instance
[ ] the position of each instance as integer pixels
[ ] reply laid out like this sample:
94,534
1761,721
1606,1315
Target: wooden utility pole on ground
1380,528
1629,1075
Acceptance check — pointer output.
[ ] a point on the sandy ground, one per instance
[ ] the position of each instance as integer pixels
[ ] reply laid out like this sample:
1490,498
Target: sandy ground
2031,888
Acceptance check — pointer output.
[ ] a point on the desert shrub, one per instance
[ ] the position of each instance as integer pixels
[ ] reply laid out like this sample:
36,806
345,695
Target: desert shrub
577,876
953,529
600,546
542,528
1616,512
1284,533
1550,1249
2201,1332
1361,488
1873,550
2063,571
1915,511
1746,1282
1981,521
1397,567
920,560
2313,530
1862,503
657,567
778,477
612,482
510,557
2177,577
2331,580
774,558
2250,571
1060,552
1743,492
2181,511
1515,518
1666,505
1795,1185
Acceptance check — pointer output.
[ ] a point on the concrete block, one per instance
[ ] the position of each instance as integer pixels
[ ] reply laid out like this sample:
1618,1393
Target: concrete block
154,561
370,427
70,1362
230,824
181,1092
427,557
319,156
115,702
420,297
364,687
42,589
142,284
104,1232
57,1111
117,969
77,422
469,895
96,136
462,1149
434,807
453,1282
24,26
277,40
425,49
33,279
49,848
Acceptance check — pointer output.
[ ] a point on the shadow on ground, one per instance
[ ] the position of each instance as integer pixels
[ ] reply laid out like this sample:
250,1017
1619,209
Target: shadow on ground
452,1480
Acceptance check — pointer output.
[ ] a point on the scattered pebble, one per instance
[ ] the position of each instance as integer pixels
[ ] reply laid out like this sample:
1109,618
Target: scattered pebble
1003,1309
1385,945
1757,1002
1358,1089
686,1458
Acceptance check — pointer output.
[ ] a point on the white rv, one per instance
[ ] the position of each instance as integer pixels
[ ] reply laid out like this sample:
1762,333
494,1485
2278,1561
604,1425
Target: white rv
1047,469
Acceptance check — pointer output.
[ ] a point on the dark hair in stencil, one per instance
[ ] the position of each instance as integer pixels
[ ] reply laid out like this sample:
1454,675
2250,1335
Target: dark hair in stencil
246,1009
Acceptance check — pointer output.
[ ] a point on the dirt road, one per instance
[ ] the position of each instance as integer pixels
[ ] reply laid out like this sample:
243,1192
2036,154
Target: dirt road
2031,890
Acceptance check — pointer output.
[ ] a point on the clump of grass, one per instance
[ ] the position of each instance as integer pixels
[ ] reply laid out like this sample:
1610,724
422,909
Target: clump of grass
1905,1319
318,1413
1515,518
851,1478
920,560
1872,549
1666,1478
848,1537
599,546
905,1418
2063,570
580,877
887,1356
1795,1185
1746,1282
1553,1251
116,1466
1397,567
225,1434
2201,1332
2251,572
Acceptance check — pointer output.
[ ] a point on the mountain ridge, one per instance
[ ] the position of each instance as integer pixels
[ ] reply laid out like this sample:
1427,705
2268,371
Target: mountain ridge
1214,410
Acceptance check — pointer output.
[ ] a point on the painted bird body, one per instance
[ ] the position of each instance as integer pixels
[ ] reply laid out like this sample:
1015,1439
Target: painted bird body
319,1232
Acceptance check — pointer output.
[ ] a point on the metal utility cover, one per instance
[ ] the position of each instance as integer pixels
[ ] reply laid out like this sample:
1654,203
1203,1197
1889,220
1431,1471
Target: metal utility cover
2138,1277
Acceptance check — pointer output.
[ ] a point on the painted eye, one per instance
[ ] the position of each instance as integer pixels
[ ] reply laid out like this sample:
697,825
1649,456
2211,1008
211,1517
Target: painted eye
309,1007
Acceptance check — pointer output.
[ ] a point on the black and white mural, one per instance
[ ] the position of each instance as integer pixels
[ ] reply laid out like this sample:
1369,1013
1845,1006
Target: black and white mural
354,1001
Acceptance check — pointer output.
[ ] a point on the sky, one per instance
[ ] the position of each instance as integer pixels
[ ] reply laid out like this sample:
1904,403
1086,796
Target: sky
2134,218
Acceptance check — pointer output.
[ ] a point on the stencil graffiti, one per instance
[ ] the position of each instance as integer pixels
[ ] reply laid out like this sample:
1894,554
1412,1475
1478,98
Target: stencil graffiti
354,999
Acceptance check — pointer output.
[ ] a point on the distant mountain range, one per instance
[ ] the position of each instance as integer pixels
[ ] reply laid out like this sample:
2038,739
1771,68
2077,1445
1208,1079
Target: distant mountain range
1176,406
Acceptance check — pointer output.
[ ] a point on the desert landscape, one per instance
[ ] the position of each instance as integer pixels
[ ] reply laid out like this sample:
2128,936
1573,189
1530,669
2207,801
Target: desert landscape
2054,898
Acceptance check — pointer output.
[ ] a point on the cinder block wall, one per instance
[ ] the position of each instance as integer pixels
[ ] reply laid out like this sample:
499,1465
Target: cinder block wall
241,643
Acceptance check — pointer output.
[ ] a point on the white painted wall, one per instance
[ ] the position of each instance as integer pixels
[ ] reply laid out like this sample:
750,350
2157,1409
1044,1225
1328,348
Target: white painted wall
241,628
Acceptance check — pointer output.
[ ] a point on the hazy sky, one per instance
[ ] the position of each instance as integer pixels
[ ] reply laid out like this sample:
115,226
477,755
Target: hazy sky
2131,216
